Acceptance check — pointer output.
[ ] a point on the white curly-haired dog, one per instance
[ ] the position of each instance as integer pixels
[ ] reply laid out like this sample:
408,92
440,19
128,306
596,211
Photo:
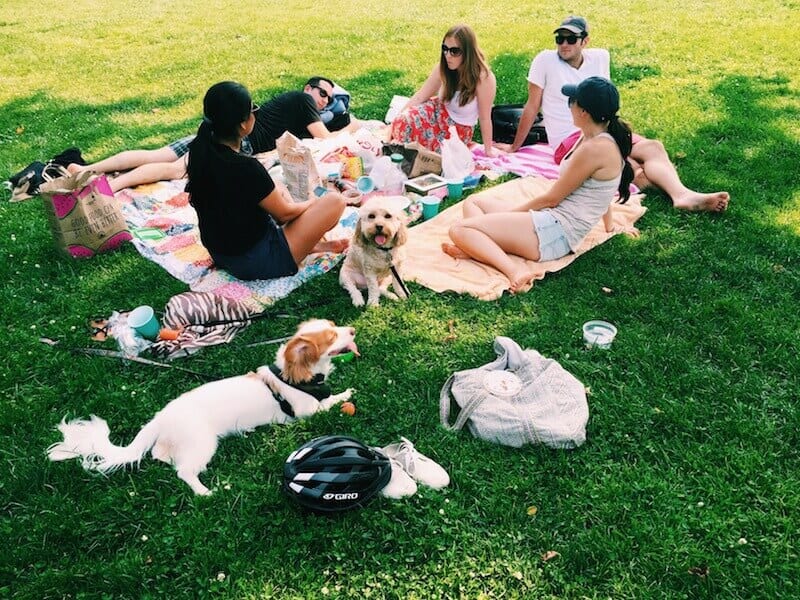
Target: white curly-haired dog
375,251
185,432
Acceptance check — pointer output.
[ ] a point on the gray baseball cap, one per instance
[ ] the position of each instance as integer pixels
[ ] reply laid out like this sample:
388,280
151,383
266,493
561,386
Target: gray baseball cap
574,24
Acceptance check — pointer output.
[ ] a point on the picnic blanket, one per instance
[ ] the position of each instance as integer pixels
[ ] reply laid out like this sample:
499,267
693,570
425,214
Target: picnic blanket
528,160
164,228
427,265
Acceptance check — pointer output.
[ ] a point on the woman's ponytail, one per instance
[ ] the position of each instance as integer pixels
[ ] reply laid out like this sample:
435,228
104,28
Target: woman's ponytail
201,149
621,132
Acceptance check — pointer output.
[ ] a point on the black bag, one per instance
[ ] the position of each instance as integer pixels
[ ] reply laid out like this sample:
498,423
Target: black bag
505,119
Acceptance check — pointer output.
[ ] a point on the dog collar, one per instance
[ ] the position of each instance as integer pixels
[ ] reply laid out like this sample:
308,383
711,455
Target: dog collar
316,387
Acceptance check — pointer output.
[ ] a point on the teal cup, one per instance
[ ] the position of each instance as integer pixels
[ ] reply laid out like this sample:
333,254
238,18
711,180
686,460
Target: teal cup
143,320
455,188
430,206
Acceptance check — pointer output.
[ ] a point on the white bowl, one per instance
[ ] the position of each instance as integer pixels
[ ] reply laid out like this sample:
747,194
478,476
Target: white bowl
598,334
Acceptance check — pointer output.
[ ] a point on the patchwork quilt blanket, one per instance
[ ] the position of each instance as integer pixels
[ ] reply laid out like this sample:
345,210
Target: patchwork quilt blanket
164,228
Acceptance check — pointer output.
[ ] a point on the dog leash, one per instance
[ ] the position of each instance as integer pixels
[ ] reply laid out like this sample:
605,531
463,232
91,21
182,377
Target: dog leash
398,283
137,359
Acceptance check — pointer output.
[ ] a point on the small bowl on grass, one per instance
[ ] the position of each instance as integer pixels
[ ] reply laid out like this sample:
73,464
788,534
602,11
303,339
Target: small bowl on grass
598,334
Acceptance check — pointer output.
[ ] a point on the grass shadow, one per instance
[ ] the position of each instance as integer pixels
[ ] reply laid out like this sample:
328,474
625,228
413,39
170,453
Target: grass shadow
39,125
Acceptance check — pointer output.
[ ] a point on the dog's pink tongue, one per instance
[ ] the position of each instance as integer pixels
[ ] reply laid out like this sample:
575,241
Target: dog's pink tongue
380,240
353,348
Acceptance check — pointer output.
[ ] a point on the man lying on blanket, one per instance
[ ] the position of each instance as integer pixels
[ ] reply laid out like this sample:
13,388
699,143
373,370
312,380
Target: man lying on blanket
299,112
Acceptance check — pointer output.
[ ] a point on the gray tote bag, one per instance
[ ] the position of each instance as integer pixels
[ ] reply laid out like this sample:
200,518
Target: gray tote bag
520,398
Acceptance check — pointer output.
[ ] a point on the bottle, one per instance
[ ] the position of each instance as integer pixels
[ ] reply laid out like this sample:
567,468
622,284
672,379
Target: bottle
395,179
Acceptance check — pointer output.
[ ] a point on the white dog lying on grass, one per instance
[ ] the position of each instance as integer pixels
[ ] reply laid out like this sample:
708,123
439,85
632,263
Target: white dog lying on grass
185,432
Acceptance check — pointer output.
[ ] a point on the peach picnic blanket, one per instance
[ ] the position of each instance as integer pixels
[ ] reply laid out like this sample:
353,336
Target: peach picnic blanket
427,265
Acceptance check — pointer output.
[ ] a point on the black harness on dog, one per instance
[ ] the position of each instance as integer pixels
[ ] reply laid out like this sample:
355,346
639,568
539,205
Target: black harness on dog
317,388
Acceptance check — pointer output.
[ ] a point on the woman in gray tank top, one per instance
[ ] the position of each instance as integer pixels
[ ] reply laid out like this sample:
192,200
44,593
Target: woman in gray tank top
554,223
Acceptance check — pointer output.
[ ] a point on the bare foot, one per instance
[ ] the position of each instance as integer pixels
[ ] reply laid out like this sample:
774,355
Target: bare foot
521,281
335,246
695,201
454,251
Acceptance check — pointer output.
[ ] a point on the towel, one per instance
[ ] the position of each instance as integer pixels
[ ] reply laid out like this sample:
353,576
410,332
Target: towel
427,265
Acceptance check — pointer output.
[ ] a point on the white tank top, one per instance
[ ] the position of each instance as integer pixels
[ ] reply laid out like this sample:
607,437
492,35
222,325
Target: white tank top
463,115
584,207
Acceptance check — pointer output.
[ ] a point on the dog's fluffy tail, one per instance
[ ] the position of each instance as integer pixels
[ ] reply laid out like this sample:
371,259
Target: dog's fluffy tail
89,441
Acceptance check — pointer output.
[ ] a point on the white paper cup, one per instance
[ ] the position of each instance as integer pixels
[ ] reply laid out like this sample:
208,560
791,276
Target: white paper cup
598,334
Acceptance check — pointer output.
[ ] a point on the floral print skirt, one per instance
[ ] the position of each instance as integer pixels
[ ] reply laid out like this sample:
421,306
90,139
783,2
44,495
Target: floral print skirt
428,124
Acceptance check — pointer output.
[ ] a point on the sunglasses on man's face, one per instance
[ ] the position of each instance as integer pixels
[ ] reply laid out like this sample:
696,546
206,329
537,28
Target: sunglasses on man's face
570,39
323,93
454,51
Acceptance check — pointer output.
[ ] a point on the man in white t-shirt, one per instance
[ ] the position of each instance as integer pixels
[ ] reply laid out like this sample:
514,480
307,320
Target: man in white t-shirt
571,63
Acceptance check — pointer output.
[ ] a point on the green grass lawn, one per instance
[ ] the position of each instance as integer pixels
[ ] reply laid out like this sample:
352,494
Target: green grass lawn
688,483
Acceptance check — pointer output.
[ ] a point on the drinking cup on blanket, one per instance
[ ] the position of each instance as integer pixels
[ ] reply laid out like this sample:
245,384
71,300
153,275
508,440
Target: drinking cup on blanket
143,320
598,334
364,184
455,188
430,206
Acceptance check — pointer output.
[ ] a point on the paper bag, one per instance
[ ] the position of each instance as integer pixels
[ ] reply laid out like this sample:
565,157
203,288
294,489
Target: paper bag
299,169
84,215
417,160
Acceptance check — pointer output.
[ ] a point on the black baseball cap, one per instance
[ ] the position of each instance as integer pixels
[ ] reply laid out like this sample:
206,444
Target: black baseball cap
596,95
575,24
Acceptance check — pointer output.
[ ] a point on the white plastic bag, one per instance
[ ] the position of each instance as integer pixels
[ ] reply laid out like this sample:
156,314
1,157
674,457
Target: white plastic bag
395,106
457,162
380,171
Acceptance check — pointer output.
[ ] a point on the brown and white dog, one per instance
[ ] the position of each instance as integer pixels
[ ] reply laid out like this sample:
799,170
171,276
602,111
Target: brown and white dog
376,247
185,432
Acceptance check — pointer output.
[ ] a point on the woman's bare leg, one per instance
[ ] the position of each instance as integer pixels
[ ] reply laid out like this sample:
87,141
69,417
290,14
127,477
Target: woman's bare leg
492,238
129,159
305,232
477,206
150,173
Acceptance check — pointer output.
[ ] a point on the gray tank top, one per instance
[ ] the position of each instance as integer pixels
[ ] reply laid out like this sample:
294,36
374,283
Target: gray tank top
584,207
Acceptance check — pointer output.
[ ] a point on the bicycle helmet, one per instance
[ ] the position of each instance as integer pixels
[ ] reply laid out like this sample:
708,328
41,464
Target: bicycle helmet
334,473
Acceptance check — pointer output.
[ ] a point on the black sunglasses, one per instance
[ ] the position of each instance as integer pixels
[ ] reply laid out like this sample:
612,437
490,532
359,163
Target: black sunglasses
322,92
570,39
455,51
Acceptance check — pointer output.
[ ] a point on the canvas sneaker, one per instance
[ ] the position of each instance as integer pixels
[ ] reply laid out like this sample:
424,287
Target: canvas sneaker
400,483
418,466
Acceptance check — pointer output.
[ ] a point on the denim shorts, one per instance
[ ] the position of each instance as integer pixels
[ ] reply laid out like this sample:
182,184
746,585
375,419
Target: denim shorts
268,259
552,239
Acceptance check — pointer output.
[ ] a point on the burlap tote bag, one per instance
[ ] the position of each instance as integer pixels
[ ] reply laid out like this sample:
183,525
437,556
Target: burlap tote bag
84,216
520,398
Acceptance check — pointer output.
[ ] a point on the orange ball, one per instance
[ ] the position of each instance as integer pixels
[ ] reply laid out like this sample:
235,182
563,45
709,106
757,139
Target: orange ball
348,408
